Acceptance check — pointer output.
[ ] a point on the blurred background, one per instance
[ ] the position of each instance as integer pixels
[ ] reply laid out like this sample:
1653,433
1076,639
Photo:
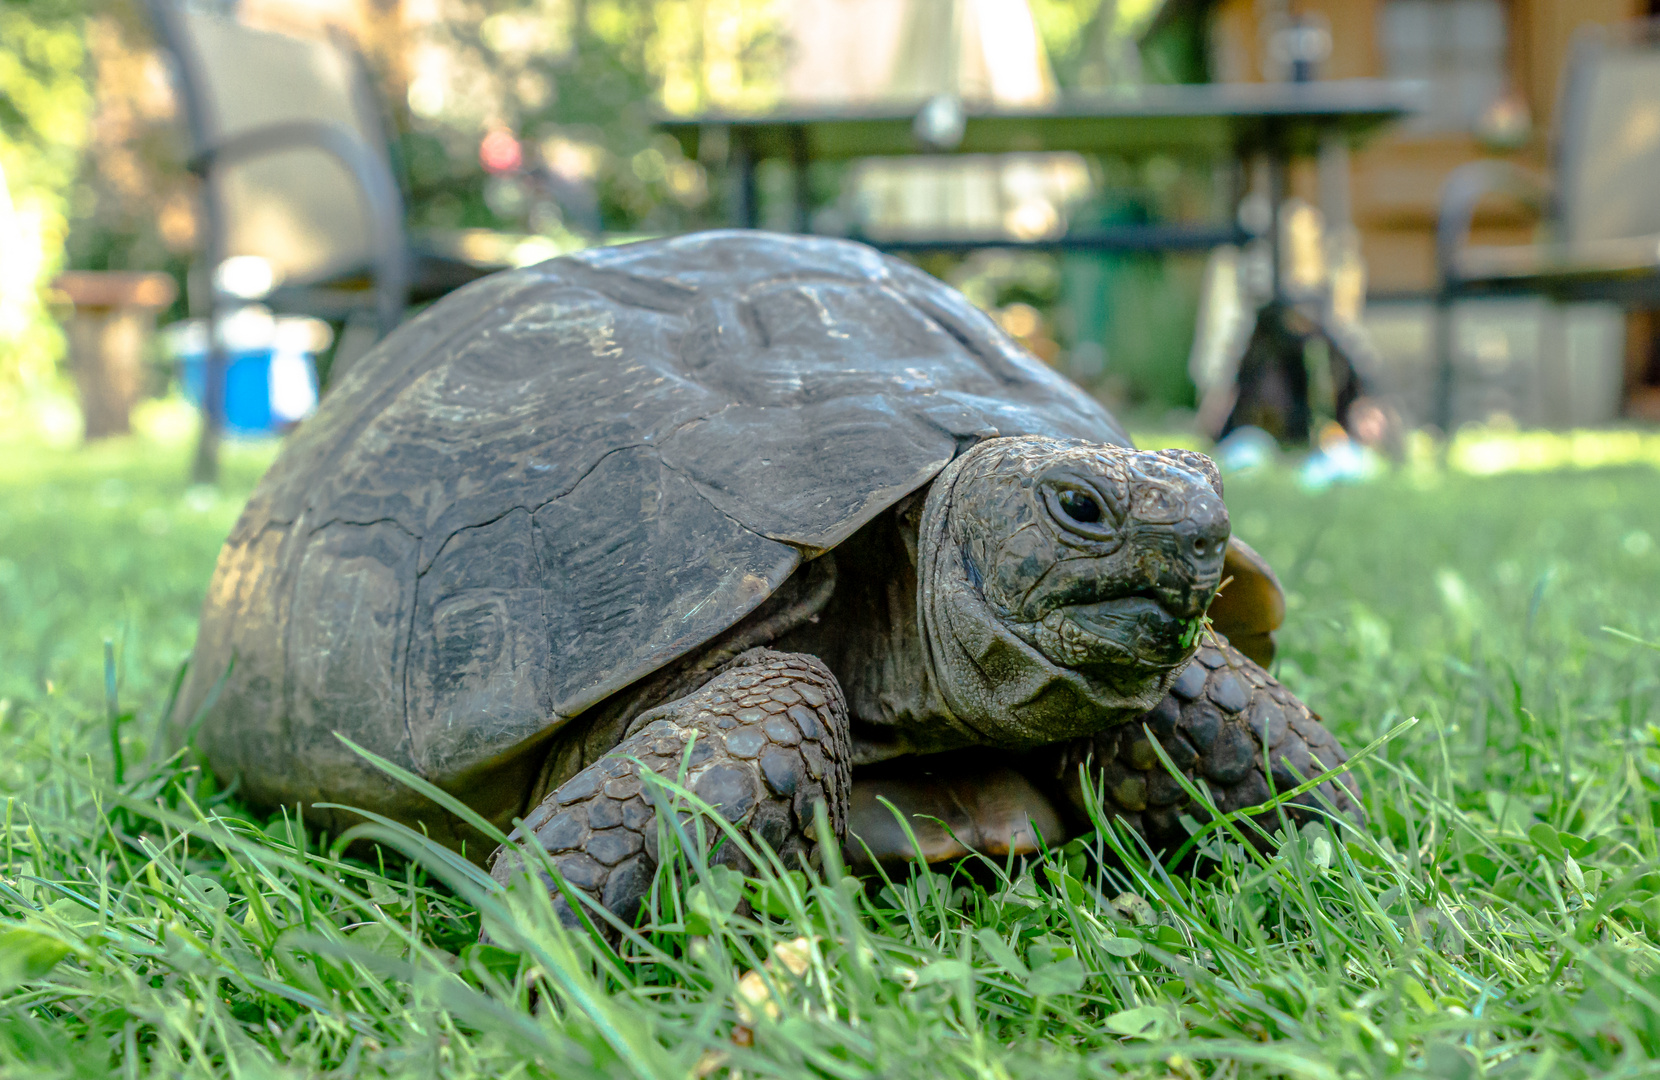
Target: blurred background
509,131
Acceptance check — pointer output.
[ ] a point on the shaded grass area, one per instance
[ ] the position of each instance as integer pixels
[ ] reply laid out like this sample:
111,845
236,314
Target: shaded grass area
1497,919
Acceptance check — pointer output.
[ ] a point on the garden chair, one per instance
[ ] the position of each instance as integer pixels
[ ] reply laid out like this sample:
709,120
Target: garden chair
1601,206
286,135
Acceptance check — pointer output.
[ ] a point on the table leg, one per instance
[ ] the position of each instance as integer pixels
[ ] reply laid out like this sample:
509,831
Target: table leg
204,298
1442,406
799,162
745,210
1272,384
1279,180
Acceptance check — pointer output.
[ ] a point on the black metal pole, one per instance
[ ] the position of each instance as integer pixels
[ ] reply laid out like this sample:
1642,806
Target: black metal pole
745,211
1279,167
799,162
169,26
205,468
1443,344
1272,382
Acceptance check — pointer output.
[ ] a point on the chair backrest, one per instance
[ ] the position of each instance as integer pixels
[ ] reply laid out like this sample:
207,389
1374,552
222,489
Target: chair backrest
1608,136
299,209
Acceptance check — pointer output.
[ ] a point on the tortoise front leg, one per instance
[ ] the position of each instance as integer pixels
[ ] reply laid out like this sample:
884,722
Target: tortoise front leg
1213,725
769,742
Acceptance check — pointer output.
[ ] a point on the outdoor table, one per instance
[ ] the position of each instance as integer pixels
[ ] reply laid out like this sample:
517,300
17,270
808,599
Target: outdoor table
1221,121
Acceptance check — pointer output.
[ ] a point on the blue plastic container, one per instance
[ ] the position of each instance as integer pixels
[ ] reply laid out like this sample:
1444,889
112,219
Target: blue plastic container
247,389
254,400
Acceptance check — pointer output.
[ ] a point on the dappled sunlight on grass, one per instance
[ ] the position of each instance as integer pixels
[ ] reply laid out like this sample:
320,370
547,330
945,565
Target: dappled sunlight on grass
1487,452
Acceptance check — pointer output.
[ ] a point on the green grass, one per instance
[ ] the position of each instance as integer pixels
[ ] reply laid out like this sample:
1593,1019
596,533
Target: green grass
1497,919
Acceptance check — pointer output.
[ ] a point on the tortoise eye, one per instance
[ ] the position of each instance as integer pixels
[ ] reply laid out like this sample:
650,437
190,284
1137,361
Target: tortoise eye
1080,507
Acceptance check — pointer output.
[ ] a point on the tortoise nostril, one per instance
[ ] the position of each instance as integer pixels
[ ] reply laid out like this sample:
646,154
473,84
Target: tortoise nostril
1206,544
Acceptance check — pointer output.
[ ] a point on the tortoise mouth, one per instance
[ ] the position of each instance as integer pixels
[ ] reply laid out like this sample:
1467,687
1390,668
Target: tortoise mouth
1128,630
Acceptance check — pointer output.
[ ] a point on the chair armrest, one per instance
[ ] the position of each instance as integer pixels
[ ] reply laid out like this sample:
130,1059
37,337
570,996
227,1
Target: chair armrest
374,181
1463,191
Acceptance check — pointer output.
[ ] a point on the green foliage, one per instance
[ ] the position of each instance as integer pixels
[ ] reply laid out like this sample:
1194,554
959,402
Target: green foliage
1128,320
1497,918
579,83
133,205
43,110
1064,27
1093,44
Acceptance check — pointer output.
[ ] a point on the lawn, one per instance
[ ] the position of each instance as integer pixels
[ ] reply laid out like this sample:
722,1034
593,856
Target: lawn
1497,919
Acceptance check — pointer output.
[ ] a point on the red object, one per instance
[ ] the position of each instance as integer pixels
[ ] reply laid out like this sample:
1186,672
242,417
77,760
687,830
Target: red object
499,151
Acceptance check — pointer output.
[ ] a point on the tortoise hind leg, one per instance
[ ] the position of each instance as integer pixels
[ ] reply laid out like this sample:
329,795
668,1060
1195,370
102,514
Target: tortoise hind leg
1213,726
769,742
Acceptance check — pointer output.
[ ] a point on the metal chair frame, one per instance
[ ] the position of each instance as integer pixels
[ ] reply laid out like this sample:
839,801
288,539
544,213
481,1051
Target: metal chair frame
376,185
1626,283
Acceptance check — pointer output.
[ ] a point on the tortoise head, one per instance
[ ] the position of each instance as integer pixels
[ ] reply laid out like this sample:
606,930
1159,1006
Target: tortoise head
1063,584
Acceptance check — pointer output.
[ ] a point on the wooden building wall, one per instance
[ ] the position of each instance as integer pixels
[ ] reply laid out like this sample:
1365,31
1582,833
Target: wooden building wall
1396,180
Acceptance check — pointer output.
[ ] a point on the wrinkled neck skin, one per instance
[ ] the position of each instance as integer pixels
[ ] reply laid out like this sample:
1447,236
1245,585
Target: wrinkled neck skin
984,659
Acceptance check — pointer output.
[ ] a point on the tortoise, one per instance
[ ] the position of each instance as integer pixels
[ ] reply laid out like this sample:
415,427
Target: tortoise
787,500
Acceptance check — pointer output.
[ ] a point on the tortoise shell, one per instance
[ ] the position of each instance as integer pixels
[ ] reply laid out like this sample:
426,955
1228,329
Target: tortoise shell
559,479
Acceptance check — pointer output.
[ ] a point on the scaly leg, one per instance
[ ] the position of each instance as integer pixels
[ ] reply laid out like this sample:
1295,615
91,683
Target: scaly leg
1213,725
771,742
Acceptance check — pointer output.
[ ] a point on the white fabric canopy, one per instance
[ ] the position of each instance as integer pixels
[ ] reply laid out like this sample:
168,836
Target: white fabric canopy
985,53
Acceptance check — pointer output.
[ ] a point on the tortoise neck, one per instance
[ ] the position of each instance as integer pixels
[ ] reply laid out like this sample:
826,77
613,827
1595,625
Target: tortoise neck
869,636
